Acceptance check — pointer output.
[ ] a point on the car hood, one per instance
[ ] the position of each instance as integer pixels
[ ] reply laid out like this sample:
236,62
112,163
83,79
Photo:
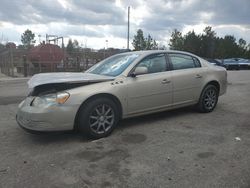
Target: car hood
66,77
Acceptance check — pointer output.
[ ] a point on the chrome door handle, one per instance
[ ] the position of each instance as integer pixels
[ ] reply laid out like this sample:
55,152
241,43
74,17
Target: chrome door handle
198,76
165,81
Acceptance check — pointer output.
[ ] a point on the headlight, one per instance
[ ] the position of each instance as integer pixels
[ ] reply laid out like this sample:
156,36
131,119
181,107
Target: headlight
50,99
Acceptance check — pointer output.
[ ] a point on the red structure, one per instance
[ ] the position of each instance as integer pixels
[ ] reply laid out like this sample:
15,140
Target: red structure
46,56
11,45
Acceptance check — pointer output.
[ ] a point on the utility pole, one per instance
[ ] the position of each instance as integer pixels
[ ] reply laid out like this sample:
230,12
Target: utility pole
128,28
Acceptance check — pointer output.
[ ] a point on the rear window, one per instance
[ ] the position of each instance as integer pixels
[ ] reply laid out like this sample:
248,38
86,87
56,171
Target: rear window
182,61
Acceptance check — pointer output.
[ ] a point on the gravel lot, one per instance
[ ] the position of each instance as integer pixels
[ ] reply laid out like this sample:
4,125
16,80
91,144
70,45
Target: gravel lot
181,148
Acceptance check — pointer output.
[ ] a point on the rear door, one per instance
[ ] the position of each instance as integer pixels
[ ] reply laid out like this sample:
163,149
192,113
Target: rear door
186,77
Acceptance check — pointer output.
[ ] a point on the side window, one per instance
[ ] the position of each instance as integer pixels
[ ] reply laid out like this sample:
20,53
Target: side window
181,61
154,63
196,62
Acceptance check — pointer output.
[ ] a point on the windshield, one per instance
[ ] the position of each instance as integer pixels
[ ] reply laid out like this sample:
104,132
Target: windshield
114,65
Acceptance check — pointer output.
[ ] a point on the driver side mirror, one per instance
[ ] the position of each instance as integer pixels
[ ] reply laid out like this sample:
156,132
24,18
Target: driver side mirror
139,71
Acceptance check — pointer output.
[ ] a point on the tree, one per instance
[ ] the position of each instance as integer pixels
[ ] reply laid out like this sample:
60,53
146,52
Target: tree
192,42
139,41
208,42
155,45
27,38
242,43
70,47
149,42
142,43
242,47
176,41
219,49
248,51
230,46
76,46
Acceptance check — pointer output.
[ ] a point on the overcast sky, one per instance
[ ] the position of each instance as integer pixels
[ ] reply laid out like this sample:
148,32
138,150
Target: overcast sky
94,22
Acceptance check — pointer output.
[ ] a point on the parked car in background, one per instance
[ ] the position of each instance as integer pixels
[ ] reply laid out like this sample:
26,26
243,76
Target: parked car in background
214,62
236,63
244,64
121,86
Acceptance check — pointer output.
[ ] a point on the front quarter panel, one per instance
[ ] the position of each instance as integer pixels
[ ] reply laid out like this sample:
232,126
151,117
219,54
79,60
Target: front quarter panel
115,88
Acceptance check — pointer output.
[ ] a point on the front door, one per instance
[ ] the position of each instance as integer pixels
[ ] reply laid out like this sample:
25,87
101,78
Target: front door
151,91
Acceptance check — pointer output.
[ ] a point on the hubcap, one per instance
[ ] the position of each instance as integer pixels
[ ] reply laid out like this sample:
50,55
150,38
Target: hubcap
101,119
210,99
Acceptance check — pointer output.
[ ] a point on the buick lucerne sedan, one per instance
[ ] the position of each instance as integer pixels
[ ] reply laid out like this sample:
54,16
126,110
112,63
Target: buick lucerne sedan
121,86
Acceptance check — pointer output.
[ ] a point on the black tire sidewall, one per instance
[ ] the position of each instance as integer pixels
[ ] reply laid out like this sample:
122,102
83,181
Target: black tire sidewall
86,110
201,105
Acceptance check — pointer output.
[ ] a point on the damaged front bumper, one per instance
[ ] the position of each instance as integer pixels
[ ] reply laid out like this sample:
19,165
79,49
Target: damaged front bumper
52,118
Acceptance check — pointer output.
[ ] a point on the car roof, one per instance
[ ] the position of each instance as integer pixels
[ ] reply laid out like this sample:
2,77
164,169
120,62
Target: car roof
148,52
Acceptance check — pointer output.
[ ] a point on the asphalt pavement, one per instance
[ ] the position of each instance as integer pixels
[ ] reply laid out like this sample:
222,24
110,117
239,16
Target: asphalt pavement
180,148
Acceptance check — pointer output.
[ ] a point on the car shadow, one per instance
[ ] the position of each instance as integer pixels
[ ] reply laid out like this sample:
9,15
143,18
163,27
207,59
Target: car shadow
58,136
155,117
75,136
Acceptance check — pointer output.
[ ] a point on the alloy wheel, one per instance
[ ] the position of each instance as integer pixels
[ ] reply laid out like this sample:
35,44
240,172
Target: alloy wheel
210,99
101,119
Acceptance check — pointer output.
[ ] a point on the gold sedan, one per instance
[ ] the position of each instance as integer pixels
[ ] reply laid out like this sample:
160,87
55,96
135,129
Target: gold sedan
121,86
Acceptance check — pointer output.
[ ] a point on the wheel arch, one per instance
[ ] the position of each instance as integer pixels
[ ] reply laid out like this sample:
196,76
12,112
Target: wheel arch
215,83
106,95
199,104
211,82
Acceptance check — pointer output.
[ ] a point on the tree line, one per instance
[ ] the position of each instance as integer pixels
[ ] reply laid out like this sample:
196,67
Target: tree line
209,45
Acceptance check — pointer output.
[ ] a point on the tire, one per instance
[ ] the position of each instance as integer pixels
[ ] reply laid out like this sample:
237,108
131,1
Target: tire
98,117
208,99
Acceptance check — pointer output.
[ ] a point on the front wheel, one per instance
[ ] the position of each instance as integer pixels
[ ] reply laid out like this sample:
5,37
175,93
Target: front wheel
98,117
208,99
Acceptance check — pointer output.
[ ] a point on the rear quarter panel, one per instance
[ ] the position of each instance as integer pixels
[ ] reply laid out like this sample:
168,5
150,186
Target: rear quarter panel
215,73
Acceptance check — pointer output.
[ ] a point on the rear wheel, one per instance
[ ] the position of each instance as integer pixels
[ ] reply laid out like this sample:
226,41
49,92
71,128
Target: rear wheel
208,99
98,117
